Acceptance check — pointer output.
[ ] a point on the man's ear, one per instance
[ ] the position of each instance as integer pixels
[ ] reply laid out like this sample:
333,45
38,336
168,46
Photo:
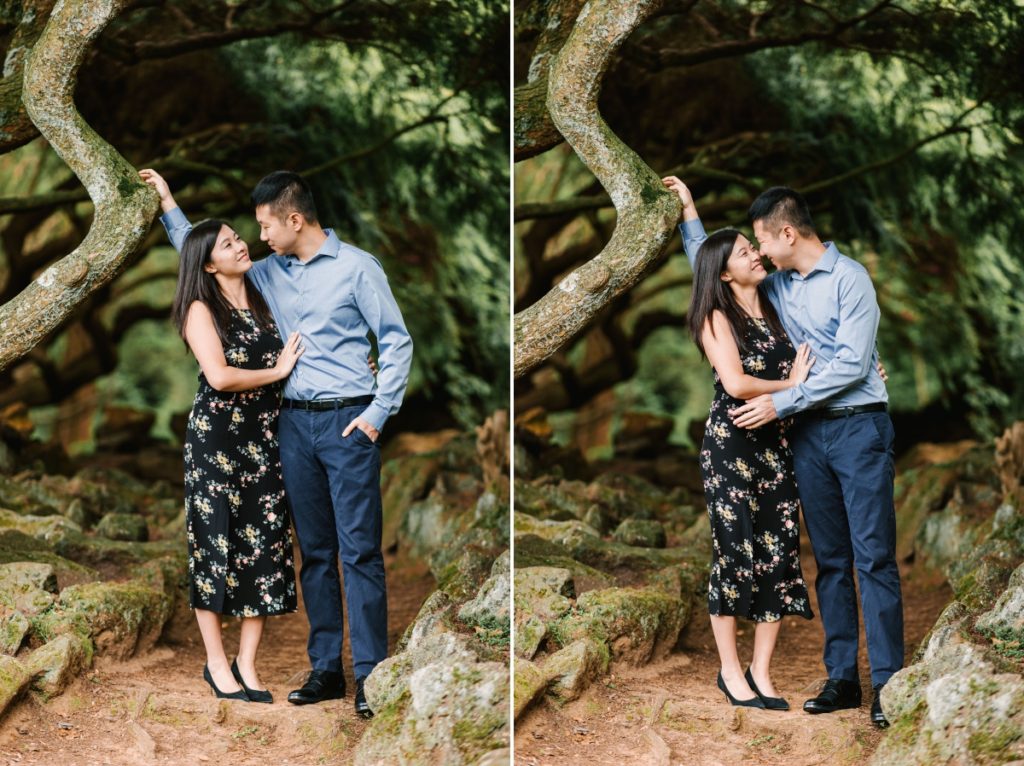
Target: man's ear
296,220
789,233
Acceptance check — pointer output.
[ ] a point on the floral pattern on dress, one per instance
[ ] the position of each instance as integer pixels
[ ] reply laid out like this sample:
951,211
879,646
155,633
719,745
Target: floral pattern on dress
752,499
238,529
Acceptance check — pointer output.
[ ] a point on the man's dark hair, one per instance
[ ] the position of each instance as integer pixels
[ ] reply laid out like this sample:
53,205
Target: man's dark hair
286,193
781,205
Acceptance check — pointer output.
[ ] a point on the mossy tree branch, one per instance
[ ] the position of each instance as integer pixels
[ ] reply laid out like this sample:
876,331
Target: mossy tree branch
646,212
124,206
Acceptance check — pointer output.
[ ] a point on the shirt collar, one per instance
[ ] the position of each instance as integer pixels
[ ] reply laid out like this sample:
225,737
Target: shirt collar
331,247
827,262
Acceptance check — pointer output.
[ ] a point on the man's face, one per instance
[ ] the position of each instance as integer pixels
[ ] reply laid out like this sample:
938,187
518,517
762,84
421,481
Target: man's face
778,247
279,234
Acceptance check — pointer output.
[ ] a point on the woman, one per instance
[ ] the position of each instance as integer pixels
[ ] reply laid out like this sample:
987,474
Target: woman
748,476
239,535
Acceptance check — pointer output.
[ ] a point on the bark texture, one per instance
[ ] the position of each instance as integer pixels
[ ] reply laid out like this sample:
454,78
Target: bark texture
646,211
124,206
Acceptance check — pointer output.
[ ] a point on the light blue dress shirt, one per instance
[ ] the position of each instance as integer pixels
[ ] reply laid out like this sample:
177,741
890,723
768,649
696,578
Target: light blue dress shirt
333,300
833,309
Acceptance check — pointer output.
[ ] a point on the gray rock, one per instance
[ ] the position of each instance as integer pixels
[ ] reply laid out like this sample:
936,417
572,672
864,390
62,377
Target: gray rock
14,678
456,711
54,665
14,626
27,587
641,533
1007,616
530,681
572,669
529,631
128,527
490,608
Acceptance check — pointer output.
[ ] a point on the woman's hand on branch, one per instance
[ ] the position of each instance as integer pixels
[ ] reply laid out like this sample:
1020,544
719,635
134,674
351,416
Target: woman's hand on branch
674,184
289,355
157,181
802,365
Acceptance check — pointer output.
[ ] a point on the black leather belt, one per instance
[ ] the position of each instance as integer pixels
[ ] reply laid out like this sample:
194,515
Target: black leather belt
318,405
844,412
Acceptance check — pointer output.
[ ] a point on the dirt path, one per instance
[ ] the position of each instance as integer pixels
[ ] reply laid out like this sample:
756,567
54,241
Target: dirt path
156,709
671,712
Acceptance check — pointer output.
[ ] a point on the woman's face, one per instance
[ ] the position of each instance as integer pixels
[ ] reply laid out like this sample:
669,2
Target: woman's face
744,267
230,255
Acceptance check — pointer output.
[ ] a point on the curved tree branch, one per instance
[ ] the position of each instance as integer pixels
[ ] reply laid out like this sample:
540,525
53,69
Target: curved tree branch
125,207
16,129
647,213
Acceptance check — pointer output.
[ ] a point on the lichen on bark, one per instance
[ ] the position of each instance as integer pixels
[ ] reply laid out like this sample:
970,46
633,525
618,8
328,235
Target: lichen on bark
646,212
122,216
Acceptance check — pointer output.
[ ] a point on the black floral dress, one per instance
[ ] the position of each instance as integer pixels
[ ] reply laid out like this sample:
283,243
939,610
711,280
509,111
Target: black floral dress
239,535
752,499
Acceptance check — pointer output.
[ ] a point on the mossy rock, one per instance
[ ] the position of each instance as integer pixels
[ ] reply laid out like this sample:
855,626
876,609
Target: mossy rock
127,527
528,683
640,533
543,500
14,678
14,626
573,668
97,550
489,611
454,710
55,665
533,551
530,632
16,546
404,481
48,529
122,618
636,624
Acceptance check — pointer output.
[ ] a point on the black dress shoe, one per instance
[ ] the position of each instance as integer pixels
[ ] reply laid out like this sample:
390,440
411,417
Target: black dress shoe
362,708
254,695
321,685
877,716
770,703
239,695
754,701
836,695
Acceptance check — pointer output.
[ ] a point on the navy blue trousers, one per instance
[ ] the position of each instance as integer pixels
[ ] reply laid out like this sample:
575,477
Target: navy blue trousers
845,471
333,490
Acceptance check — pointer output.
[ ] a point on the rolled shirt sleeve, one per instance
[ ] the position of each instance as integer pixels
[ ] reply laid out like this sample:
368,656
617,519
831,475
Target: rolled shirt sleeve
177,227
693,237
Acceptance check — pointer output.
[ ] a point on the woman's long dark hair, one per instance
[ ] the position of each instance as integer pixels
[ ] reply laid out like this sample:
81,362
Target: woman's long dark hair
711,293
197,284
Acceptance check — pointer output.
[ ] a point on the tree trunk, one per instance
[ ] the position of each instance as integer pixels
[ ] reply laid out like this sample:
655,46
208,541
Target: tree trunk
647,213
125,206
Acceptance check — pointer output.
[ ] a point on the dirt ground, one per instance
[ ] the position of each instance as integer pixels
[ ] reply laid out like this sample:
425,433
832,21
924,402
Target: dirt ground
671,712
156,708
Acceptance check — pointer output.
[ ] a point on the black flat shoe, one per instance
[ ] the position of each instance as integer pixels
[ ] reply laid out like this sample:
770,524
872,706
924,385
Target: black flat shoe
837,694
754,701
770,703
239,695
255,695
362,708
877,715
320,685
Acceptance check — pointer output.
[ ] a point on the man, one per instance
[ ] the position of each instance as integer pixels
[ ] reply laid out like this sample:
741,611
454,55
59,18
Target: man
333,294
842,438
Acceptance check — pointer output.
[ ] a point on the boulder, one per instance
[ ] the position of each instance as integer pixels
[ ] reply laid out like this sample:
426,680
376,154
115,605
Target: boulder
453,707
529,683
54,665
489,610
636,624
640,533
1006,619
14,678
120,618
14,626
404,480
533,551
542,595
572,669
128,527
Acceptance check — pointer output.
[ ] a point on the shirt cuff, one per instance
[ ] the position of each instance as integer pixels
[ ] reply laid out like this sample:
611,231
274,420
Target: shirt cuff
692,229
174,218
376,414
784,401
